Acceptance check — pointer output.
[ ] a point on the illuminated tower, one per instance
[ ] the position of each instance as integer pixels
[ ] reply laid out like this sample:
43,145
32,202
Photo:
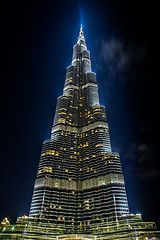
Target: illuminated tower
79,180
79,192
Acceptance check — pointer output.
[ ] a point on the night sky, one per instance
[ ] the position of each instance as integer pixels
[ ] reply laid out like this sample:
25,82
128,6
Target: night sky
36,47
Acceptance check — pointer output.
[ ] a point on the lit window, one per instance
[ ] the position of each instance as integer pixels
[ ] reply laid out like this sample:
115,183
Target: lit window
47,169
99,145
57,153
61,120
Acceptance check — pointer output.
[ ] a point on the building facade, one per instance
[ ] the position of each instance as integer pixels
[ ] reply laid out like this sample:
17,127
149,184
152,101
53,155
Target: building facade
79,191
79,180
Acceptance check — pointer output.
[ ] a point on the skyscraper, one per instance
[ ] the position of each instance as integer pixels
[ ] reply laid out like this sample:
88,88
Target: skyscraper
79,176
79,191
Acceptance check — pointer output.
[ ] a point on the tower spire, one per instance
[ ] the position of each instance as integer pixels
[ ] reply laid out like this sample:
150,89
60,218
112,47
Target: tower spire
81,28
81,38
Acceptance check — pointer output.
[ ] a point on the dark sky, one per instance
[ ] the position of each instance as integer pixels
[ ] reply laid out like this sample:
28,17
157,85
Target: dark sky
36,47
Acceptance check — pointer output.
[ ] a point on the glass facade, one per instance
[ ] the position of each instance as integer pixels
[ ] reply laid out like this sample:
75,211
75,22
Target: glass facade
79,181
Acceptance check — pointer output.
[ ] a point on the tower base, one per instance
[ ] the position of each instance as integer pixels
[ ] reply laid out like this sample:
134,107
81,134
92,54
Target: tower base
125,227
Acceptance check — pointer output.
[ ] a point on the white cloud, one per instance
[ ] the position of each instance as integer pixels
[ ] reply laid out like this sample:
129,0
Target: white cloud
113,52
120,60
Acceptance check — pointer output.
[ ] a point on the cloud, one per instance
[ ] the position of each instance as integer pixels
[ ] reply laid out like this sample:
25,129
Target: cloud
146,164
120,60
113,53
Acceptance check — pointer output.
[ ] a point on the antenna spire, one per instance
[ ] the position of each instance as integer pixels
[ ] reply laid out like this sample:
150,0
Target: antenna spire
81,36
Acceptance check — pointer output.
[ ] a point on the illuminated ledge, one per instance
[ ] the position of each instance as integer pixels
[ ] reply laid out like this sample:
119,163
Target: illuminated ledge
91,126
70,86
90,85
84,86
76,236
94,125
94,182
